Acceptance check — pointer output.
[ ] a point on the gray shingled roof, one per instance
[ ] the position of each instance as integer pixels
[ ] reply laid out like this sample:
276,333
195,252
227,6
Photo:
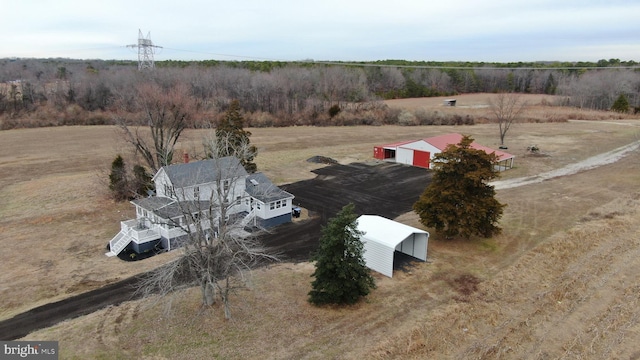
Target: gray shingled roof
204,171
261,188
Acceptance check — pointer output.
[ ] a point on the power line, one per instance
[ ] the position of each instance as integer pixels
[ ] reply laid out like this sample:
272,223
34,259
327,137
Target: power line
228,55
146,48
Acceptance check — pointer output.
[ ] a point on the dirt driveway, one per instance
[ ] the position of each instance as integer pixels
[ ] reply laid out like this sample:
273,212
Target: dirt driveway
378,188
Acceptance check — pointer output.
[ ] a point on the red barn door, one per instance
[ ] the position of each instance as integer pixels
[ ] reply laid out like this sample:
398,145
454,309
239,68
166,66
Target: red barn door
421,158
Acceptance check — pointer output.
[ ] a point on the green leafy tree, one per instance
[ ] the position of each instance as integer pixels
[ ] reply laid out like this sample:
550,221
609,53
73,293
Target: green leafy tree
341,275
230,135
458,201
621,104
118,182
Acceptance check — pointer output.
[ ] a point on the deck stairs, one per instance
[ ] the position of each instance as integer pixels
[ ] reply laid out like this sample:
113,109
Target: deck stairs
118,243
250,216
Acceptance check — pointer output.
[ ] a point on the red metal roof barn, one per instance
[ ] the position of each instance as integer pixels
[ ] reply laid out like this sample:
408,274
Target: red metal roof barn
421,152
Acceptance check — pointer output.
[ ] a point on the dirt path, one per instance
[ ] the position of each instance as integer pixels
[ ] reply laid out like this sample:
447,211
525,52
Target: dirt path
53,313
590,163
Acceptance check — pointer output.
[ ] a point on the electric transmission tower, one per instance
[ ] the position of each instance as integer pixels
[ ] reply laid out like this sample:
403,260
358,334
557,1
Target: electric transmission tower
145,51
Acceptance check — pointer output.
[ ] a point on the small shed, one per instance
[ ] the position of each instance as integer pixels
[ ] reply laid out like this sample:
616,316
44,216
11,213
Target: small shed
449,102
383,237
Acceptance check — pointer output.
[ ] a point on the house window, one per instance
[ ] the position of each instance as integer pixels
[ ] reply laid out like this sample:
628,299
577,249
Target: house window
272,206
196,192
226,185
168,190
258,205
238,200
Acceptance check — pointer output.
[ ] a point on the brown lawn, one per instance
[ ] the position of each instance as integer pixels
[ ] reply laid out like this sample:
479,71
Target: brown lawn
561,281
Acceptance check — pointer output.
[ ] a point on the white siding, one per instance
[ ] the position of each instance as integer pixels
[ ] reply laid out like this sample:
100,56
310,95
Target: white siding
161,179
415,245
404,153
377,256
404,156
285,208
383,236
209,192
260,208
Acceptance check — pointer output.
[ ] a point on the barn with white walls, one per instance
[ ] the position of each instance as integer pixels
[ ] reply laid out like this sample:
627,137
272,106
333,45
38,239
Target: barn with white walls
416,153
421,152
383,237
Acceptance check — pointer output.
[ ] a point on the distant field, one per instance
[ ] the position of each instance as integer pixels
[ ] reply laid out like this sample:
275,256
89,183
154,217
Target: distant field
560,281
467,101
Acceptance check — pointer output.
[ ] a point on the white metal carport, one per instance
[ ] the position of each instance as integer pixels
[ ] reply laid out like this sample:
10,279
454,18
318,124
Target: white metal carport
382,237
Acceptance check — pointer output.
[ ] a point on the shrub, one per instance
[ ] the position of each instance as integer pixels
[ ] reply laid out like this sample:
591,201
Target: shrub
334,110
407,118
621,104
260,119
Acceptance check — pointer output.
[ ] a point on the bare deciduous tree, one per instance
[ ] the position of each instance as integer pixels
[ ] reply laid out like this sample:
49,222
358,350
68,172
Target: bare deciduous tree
217,252
506,109
166,113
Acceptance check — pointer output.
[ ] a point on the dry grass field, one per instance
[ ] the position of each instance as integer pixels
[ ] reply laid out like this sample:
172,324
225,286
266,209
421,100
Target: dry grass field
561,281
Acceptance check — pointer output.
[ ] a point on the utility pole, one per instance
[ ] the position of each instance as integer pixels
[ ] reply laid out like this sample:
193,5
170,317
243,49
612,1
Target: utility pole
145,51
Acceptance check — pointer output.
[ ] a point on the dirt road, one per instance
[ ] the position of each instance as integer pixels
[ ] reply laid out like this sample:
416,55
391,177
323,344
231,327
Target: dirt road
590,163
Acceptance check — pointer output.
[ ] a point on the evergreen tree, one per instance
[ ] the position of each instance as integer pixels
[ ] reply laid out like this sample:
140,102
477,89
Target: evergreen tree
230,135
458,200
118,182
550,86
142,180
621,104
341,275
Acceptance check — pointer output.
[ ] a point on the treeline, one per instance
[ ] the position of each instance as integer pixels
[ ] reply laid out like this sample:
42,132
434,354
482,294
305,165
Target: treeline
46,92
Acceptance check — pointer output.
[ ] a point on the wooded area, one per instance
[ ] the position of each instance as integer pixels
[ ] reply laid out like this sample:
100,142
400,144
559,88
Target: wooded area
51,92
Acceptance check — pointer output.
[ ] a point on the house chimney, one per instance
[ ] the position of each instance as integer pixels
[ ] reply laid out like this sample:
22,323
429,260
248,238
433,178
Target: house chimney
186,157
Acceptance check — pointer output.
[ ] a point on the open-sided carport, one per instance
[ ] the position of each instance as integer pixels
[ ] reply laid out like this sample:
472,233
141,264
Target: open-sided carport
383,237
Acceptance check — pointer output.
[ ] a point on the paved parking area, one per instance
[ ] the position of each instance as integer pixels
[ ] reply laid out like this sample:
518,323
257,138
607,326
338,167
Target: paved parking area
384,189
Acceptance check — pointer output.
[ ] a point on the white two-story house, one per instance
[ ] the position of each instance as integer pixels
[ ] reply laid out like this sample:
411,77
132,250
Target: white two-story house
199,194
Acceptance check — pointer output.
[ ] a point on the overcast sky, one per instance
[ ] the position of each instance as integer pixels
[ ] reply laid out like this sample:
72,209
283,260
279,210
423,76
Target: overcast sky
327,30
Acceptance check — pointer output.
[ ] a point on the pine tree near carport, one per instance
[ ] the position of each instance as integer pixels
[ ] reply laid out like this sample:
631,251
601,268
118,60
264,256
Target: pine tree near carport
458,201
341,275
